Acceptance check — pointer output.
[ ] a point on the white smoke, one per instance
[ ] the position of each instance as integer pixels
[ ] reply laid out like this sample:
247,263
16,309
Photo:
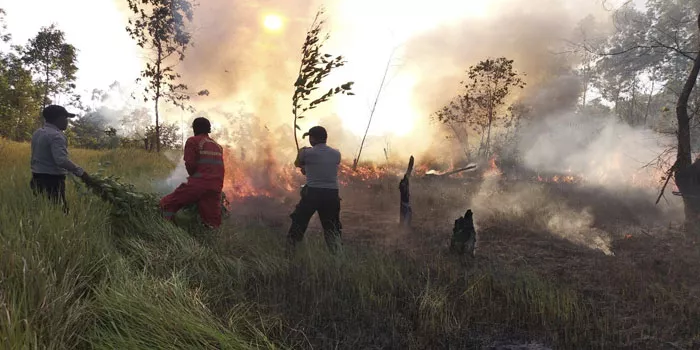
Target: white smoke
601,149
176,177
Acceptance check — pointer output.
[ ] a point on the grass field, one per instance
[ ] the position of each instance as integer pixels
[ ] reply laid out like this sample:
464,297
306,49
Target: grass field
87,280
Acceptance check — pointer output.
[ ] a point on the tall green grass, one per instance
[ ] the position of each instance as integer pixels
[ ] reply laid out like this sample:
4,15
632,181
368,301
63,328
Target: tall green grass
87,280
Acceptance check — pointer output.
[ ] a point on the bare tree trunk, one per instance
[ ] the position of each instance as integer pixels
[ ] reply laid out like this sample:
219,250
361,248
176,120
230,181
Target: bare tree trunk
157,123
481,142
488,137
586,81
686,177
633,119
46,90
488,134
46,94
651,94
464,144
159,78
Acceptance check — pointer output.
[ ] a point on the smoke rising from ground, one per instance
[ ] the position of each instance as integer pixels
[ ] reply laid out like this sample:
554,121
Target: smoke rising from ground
603,150
528,206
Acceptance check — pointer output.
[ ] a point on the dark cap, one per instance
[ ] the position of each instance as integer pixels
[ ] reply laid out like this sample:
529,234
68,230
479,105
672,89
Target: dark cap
52,112
318,132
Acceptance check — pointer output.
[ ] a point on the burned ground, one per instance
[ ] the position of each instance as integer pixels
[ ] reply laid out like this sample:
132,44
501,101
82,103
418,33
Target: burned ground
616,251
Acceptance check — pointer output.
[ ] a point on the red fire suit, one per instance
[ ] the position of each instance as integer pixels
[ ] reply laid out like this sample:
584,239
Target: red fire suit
204,161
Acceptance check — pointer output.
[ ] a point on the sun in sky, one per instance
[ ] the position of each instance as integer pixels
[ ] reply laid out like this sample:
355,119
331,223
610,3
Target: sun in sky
272,22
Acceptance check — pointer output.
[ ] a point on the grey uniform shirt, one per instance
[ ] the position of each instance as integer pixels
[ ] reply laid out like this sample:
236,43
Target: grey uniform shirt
320,163
50,152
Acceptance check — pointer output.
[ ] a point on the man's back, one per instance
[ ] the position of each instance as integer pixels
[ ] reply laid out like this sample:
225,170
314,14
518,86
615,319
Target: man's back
321,166
43,161
204,161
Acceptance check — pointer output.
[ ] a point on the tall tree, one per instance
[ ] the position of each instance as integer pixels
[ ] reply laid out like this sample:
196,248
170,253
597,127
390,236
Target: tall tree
488,85
687,176
313,68
18,99
18,92
53,61
160,28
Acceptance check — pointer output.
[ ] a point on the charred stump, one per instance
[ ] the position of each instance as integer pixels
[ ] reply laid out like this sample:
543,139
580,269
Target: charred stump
405,210
463,240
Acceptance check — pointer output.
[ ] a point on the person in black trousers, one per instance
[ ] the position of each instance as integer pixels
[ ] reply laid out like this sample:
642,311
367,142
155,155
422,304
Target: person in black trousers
50,162
320,193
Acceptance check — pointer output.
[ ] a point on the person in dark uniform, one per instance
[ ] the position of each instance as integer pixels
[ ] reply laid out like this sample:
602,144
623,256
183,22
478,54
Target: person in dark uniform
49,161
320,193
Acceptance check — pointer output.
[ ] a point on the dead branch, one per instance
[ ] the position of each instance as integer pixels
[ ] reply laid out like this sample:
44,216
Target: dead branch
669,173
371,114
468,167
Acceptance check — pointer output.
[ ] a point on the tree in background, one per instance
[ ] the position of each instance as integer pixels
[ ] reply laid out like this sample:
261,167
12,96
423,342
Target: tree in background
488,85
53,62
93,131
159,27
169,136
18,92
486,89
314,67
134,123
18,99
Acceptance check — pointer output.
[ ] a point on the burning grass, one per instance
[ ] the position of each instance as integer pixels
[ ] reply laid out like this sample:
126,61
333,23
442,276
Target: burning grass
89,281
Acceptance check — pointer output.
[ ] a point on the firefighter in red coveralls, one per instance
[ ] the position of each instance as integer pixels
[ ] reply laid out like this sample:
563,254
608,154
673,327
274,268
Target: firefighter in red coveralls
204,161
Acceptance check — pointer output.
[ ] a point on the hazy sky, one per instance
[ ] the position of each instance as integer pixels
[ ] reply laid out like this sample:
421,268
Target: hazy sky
95,27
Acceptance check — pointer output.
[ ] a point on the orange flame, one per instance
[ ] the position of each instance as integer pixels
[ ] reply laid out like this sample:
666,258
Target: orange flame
493,169
269,178
263,178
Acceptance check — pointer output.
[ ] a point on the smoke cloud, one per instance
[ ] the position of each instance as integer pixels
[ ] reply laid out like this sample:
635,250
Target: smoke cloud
237,59
599,148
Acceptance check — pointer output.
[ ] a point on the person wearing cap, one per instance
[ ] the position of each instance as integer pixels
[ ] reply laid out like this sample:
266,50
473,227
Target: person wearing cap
49,157
320,193
204,161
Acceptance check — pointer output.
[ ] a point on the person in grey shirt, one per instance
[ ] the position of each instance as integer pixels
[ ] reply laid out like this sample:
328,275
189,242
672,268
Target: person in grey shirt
50,162
320,165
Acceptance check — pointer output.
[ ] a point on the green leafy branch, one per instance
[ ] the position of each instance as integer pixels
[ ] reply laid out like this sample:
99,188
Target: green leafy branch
315,66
